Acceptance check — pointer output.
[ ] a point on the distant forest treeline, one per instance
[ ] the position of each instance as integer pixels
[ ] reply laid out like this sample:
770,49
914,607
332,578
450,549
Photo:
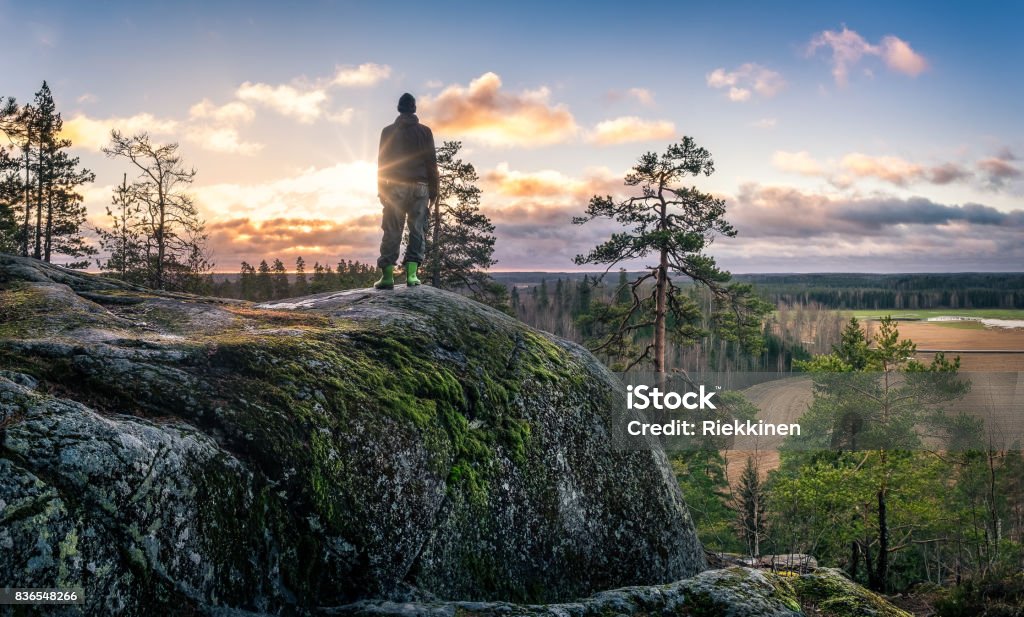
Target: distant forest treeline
893,291
992,290
273,281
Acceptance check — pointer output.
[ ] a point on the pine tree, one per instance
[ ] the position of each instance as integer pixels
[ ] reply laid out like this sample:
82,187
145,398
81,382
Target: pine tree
280,280
43,182
460,243
10,196
58,207
65,211
301,285
247,281
264,284
752,508
676,225
319,283
123,242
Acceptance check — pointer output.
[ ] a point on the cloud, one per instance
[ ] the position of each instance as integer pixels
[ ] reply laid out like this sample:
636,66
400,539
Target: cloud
631,128
339,192
901,58
367,74
315,239
214,128
765,123
233,112
86,99
848,48
783,229
855,166
484,111
642,95
94,133
784,212
548,184
797,162
746,80
303,104
947,173
890,169
998,170
221,139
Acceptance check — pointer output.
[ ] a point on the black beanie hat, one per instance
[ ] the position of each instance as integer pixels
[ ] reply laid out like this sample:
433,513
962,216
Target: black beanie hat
407,104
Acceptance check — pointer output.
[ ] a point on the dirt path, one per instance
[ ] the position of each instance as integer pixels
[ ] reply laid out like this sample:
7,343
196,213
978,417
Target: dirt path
780,402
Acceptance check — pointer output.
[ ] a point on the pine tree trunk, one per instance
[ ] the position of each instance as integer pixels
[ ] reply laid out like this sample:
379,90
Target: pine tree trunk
872,572
660,313
435,248
160,245
28,195
854,559
38,250
883,542
48,236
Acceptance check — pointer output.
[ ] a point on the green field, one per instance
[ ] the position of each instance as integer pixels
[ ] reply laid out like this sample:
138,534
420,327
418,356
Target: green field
926,313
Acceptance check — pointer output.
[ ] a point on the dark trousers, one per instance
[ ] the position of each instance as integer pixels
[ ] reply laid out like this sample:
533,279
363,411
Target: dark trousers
404,203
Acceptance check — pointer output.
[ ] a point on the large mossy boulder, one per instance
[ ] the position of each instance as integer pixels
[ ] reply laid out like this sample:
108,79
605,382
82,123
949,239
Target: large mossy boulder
172,454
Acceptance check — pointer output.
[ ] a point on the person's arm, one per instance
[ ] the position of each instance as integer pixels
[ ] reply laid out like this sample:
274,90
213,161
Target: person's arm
433,177
383,160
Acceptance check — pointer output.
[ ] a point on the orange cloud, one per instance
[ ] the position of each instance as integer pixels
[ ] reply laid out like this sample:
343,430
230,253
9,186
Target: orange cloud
549,184
631,128
339,191
483,111
890,169
243,239
94,133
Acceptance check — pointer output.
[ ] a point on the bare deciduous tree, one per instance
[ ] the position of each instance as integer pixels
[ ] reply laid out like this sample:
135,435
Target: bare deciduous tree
174,238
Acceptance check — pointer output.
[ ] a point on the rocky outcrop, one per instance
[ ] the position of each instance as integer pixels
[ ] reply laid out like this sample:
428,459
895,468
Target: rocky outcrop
729,592
178,455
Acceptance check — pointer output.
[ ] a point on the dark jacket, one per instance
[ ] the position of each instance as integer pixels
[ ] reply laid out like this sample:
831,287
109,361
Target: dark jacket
407,154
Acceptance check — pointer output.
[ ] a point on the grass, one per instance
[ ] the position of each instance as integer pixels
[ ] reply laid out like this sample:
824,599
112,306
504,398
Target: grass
941,312
960,325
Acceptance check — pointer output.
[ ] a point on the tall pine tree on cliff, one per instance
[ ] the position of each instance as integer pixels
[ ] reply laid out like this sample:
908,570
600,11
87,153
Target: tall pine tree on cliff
675,225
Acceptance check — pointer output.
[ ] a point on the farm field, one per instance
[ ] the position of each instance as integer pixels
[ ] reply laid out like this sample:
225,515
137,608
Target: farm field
941,312
940,336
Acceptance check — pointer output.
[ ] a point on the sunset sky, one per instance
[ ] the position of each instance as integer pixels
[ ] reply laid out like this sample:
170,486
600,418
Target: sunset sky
868,136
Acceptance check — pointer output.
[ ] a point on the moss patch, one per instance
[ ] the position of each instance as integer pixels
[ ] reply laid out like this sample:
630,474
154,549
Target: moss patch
831,594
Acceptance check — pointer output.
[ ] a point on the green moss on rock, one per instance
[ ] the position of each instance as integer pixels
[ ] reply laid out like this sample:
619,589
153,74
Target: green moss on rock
832,594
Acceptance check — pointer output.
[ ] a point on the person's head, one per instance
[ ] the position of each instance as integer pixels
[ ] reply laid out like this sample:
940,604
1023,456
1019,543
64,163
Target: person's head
407,104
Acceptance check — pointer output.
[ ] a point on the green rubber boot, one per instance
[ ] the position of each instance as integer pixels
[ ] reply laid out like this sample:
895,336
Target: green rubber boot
410,274
387,280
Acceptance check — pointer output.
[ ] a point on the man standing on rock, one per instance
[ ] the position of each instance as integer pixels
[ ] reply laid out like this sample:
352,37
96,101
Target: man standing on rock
407,186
